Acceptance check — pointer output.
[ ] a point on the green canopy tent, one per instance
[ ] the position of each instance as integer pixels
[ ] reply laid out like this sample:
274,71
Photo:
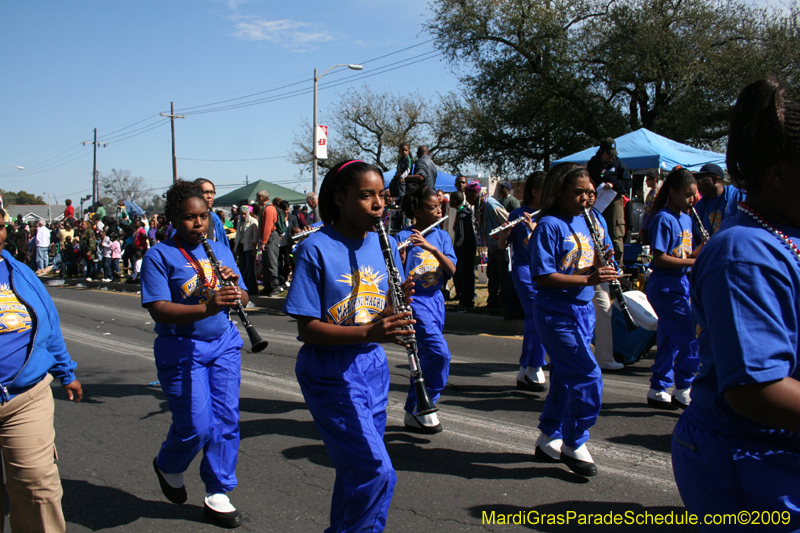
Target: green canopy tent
246,194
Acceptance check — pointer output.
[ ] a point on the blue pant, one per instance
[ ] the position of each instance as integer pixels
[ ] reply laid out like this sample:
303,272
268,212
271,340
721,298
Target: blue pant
42,259
434,355
677,345
347,390
576,384
719,473
201,382
532,350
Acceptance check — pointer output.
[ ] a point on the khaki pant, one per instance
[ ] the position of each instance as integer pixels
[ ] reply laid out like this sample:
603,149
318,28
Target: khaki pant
27,441
615,220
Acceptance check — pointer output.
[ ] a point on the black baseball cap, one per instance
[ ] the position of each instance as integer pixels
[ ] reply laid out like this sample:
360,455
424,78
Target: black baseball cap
609,146
711,168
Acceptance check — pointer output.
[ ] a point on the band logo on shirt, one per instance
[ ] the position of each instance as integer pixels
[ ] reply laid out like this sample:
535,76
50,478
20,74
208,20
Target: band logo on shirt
581,255
14,316
426,273
365,302
684,249
192,286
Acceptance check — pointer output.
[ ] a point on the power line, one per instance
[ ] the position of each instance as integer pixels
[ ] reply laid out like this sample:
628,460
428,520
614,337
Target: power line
219,160
46,147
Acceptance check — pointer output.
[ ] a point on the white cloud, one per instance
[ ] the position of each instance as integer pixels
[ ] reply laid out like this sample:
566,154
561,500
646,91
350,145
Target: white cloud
291,34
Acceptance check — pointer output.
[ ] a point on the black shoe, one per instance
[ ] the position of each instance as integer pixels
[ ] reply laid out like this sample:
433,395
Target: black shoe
530,385
276,292
582,468
226,520
174,495
542,457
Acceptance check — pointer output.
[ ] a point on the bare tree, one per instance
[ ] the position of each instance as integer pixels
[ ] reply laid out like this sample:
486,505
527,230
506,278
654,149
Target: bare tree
369,125
120,185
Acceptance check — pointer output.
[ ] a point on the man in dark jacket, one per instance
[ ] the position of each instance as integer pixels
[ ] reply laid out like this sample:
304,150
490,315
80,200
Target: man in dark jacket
606,168
424,169
465,246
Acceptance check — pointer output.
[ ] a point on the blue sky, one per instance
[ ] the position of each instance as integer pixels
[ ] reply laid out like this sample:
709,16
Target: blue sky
69,67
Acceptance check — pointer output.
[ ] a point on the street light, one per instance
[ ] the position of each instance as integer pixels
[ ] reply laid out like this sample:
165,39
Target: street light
314,129
15,166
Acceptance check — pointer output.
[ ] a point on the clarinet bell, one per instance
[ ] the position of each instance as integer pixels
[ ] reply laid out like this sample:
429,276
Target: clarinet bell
257,344
424,404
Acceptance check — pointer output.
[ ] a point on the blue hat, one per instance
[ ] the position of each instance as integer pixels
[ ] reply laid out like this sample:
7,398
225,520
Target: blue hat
711,168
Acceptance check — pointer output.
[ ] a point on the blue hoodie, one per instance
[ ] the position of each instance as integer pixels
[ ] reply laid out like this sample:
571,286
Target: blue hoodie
48,352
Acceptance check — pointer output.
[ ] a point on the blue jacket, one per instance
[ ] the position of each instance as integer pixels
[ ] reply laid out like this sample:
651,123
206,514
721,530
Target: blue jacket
48,352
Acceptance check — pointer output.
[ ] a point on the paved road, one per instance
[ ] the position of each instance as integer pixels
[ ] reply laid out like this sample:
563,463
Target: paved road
482,462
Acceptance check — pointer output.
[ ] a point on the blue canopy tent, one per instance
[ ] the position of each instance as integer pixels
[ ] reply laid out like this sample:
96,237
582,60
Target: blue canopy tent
643,149
444,181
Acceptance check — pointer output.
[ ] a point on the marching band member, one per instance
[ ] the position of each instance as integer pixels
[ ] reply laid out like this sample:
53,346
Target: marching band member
562,262
737,446
429,260
338,295
668,292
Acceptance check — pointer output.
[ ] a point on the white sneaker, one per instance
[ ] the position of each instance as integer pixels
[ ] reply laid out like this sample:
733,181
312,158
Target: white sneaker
659,399
682,397
250,305
548,449
106,280
220,503
611,365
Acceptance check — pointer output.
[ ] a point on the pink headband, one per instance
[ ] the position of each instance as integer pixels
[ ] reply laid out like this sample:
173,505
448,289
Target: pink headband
346,164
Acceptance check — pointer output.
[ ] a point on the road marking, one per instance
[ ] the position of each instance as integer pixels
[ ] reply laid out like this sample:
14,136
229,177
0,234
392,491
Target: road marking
648,467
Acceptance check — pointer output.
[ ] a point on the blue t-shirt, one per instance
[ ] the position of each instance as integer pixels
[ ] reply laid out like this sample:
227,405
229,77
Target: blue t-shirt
519,236
340,280
168,276
671,233
15,328
745,291
712,211
422,265
563,245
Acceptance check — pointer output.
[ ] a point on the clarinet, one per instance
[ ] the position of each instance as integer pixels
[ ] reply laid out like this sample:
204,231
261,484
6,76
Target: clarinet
423,232
298,236
256,342
614,287
424,404
704,236
510,225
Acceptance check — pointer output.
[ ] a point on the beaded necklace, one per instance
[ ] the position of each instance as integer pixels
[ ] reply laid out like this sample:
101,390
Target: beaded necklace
744,208
195,264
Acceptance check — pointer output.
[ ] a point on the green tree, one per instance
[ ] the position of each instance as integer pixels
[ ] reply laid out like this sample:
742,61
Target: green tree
21,198
544,78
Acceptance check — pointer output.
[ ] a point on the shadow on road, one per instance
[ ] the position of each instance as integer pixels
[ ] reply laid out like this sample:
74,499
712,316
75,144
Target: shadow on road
96,507
408,456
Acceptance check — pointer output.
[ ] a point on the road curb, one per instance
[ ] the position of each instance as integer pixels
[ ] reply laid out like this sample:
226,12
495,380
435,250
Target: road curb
468,322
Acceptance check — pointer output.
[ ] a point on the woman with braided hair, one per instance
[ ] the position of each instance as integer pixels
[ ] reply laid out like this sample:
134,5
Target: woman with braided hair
737,446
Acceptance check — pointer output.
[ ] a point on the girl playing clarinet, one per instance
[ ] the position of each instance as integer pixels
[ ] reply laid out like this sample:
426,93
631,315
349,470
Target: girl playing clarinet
197,354
429,260
338,296
668,292
737,446
565,266
530,376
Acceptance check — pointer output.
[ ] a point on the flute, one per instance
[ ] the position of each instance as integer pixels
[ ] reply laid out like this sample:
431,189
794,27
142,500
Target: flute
423,232
256,342
424,404
613,286
510,225
298,236
704,236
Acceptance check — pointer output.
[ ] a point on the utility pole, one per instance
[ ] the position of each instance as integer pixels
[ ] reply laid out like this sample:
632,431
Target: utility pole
172,116
95,184
246,180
